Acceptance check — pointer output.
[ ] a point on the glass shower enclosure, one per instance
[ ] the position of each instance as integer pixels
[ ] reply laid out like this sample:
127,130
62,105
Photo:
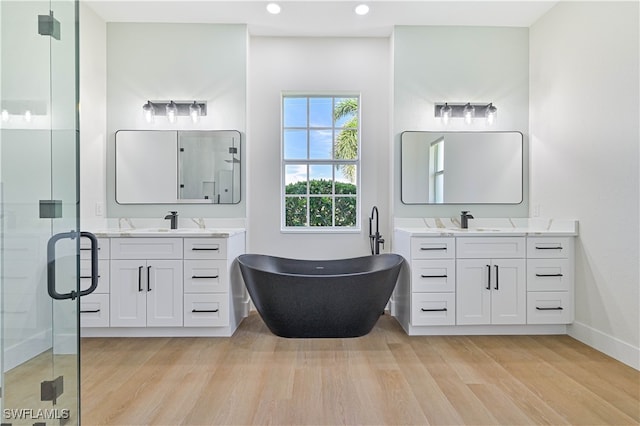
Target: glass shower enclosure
39,213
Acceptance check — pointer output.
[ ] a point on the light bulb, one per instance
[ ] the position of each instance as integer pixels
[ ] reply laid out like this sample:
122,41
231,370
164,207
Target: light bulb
273,8
468,113
491,114
5,115
149,112
27,116
362,9
445,113
172,112
195,111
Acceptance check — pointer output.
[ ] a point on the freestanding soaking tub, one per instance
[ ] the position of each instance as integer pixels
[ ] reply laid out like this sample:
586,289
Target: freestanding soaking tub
320,298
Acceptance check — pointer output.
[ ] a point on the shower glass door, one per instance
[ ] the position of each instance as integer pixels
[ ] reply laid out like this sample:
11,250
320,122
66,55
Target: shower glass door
39,204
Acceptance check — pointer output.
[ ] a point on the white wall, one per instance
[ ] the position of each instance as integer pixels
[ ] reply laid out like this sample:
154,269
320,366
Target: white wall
459,64
325,65
93,118
584,159
175,62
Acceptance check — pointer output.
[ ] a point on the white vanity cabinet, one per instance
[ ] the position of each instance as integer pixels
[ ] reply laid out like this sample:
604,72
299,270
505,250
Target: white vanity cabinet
491,280
167,284
206,290
550,280
433,281
146,288
510,276
94,307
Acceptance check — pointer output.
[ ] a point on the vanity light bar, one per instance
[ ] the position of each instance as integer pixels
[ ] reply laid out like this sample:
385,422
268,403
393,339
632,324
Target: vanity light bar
467,111
173,109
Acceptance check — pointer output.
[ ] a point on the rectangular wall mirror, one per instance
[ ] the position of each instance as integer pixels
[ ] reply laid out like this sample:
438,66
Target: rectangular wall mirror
177,166
461,167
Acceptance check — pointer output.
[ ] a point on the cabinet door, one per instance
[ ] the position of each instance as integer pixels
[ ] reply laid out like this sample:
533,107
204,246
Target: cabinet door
127,303
164,293
473,291
508,291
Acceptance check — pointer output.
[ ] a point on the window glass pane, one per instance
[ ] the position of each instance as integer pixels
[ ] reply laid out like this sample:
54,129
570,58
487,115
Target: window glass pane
347,144
346,178
320,112
320,145
295,112
295,178
320,211
346,211
296,211
295,144
320,179
346,112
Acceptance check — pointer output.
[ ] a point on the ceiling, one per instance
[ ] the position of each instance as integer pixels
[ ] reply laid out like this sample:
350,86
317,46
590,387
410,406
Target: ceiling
325,17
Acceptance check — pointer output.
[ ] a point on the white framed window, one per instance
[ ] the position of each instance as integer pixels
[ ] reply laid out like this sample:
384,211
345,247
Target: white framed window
320,162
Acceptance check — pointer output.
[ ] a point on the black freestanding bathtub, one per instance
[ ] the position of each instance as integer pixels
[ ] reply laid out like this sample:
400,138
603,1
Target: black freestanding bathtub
320,298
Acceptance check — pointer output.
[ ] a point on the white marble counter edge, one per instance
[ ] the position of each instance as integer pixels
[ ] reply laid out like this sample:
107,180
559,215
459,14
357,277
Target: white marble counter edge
421,232
153,233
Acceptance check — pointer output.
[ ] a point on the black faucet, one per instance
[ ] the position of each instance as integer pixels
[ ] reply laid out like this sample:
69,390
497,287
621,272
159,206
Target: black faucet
375,239
174,219
464,219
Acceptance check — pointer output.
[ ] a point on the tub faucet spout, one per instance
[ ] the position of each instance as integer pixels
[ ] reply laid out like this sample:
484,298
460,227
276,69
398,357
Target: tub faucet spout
375,239
173,217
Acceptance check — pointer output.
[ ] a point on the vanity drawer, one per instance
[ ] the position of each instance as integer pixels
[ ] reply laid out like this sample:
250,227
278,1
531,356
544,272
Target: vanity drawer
433,309
94,310
205,248
550,307
490,247
205,276
550,247
103,248
103,275
146,248
433,248
549,275
206,310
433,275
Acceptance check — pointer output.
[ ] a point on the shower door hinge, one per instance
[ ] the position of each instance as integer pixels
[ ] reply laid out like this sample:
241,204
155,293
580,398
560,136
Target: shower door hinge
49,26
50,390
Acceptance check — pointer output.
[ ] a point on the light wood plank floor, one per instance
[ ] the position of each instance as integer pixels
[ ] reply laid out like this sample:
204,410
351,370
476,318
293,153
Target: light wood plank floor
384,378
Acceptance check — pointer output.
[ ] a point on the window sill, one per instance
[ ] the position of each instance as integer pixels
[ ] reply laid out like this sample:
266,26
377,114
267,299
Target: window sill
320,230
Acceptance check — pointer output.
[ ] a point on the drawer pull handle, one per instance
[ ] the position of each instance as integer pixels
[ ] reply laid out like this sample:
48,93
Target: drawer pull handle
432,248
433,276
434,310
87,276
148,278
87,248
549,248
204,310
140,278
91,311
205,248
195,277
559,308
549,275
488,277
497,277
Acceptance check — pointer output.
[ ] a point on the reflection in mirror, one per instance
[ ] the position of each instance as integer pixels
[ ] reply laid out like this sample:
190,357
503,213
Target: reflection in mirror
461,167
177,167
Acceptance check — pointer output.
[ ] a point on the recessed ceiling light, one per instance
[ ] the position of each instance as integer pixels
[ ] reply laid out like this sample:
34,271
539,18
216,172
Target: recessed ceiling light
273,8
362,9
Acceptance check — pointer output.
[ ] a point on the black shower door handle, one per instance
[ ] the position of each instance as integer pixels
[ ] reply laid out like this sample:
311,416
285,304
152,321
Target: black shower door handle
51,265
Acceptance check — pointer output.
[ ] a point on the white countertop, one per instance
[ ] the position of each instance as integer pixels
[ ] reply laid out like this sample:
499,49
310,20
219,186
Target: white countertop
165,232
450,227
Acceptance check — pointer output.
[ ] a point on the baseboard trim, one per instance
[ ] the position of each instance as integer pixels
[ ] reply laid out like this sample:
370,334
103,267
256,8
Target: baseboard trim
612,346
26,349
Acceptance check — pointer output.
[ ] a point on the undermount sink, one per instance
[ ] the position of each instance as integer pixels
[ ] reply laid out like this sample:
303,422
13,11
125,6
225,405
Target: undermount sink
166,230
